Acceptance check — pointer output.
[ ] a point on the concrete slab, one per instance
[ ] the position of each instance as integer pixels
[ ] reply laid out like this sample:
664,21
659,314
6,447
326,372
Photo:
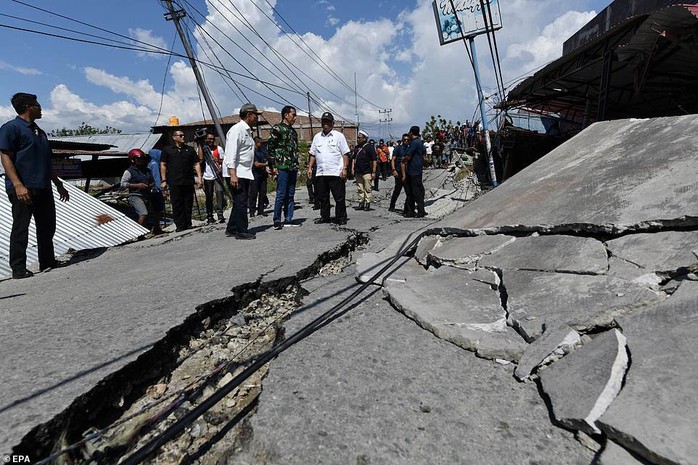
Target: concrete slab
555,342
655,414
375,388
557,253
583,384
606,176
465,252
613,454
623,269
537,300
662,251
425,245
460,310
370,263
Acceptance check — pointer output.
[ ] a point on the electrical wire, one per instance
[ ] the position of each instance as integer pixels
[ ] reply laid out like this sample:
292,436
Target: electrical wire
164,80
335,312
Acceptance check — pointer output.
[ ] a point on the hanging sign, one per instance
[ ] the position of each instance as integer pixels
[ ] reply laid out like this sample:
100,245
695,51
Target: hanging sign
470,14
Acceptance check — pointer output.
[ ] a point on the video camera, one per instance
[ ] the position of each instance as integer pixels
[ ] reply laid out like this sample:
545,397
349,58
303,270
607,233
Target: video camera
200,134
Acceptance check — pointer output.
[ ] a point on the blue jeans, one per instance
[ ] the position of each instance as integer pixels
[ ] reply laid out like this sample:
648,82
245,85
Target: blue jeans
285,191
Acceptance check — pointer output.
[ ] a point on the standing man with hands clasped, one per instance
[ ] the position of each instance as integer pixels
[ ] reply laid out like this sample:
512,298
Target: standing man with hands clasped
330,153
239,157
26,158
178,163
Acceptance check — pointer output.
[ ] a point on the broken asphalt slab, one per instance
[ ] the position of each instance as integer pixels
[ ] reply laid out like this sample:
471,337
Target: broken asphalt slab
537,300
374,388
655,413
604,179
459,309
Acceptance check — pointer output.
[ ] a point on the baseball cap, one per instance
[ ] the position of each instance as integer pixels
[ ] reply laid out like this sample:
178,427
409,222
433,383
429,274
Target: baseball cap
249,108
328,116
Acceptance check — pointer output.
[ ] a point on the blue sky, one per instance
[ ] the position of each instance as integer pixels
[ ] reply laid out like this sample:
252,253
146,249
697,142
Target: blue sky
391,45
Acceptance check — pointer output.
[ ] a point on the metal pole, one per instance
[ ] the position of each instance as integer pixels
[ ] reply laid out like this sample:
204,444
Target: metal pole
310,118
356,110
483,111
175,16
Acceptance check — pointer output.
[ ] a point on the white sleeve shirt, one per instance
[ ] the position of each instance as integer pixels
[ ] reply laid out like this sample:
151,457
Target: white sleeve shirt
329,150
239,151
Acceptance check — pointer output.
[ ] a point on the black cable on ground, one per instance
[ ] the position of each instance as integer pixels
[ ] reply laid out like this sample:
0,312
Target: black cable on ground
175,429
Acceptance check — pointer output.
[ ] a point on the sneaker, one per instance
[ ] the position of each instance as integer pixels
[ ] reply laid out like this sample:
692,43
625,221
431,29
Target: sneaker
292,223
244,236
278,225
22,274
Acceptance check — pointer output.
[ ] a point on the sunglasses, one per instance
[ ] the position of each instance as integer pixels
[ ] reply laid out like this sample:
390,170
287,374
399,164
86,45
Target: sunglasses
179,135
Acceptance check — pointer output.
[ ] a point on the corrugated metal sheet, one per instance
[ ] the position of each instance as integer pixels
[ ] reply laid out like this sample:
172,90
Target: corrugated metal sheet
76,226
122,142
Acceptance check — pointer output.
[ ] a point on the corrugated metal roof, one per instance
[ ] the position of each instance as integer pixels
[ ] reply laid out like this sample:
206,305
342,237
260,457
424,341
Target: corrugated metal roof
77,226
122,142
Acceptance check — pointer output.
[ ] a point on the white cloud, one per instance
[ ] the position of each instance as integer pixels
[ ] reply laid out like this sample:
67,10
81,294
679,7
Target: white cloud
20,69
398,62
332,21
146,39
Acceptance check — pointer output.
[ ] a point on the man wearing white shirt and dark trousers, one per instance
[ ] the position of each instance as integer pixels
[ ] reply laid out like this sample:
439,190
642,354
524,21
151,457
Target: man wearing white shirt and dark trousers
239,157
329,153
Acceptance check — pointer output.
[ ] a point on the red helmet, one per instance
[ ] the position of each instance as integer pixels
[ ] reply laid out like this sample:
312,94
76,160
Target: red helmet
133,154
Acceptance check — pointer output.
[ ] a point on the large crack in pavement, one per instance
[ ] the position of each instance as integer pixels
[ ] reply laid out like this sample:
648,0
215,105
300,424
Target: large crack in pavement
180,371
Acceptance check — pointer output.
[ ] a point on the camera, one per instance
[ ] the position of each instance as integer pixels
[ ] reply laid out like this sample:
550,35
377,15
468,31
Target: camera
200,134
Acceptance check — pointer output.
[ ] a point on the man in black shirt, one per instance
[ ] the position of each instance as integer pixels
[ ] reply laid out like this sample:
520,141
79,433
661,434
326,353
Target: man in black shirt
364,163
177,166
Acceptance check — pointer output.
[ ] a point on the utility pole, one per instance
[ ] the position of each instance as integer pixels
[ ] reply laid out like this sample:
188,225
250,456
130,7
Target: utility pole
175,16
356,110
310,117
387,119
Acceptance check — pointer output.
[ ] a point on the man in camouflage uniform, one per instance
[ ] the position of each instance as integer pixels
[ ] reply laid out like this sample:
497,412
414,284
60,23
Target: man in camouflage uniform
282,149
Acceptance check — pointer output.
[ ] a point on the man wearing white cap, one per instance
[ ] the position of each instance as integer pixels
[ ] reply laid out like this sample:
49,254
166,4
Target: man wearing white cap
239,157
365,164
330,153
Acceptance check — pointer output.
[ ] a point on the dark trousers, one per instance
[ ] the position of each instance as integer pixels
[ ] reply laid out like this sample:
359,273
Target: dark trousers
414,190
257,194
384,168
312,189
238,221
213,188
43,209
182,198
396,190
338,187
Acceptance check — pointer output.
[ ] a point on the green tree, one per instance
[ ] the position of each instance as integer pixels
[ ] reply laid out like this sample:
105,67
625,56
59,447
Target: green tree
84,130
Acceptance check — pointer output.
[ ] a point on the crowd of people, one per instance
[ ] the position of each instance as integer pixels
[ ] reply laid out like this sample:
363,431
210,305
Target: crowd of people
240,172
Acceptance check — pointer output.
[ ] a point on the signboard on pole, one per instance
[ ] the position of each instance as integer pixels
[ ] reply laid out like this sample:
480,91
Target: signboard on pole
470,13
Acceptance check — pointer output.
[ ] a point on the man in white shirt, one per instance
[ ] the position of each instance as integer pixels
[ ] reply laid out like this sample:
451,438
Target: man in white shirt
329,152
239,157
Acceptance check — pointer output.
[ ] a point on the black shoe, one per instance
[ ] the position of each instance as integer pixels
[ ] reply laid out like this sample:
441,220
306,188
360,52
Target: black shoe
221,220
322,221
278,225
22,274
392,209
340,221
421,215
182,229
210,220
367,207
360,206
408,215
244,236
